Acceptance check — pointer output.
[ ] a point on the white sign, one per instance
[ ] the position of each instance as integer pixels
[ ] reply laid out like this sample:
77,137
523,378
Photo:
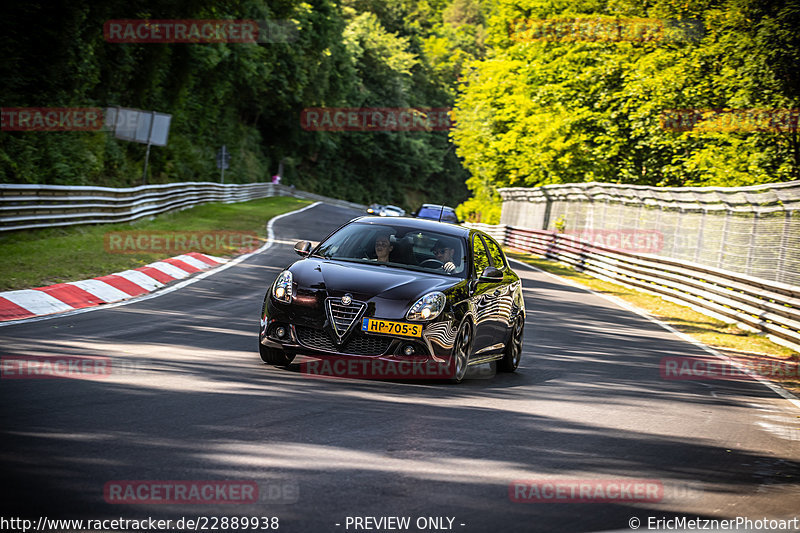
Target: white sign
146,127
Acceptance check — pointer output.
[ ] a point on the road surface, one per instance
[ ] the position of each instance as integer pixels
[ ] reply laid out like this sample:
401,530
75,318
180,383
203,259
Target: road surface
189,400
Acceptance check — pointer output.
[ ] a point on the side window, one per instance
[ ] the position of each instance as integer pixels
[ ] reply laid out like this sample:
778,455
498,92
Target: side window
498,260
449,216
479,254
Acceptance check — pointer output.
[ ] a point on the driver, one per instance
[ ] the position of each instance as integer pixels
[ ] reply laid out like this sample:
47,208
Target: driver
444,250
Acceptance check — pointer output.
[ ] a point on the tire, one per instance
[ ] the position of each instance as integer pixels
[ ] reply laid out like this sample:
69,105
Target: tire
275,356
513,351
462,349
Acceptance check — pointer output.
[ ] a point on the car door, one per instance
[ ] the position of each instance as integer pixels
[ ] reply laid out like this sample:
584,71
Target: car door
484,301
504,292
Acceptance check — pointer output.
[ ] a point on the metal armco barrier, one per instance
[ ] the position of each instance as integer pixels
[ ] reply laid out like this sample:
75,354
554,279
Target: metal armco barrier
754,230
768,306
44,206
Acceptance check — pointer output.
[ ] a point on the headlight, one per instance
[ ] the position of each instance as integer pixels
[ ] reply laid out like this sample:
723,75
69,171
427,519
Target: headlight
282,290
427,307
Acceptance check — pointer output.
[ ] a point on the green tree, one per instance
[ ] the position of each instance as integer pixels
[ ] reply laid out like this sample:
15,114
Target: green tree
570,92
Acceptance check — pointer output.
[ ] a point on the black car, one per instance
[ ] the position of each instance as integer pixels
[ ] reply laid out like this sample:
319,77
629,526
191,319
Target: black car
440,213
407,293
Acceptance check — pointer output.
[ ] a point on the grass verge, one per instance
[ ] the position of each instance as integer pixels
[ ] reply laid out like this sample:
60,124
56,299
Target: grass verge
36,258
729,339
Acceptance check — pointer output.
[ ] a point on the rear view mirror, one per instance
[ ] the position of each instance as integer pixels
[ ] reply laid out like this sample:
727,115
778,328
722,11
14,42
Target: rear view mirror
302,248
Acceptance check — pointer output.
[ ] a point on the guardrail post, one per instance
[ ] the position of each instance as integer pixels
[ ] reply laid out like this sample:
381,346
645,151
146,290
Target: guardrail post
552,248
751,247
548,206
721,255
787,221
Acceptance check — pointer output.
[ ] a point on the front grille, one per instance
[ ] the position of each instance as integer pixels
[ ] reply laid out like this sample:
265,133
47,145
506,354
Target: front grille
357,344
342,316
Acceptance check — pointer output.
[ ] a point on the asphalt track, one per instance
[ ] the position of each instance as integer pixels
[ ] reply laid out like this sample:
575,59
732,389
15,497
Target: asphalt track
189,399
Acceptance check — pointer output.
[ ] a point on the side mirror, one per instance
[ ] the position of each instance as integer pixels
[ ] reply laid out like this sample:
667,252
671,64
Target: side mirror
303,248
492,275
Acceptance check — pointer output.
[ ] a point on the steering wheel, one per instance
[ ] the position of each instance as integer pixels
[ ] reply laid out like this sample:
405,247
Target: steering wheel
434,263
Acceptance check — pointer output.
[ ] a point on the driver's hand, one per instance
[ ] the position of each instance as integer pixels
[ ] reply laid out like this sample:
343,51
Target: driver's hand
448,267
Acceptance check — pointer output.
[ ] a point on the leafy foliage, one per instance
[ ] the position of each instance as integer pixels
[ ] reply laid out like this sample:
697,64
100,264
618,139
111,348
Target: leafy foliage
247,96
550,104
545,91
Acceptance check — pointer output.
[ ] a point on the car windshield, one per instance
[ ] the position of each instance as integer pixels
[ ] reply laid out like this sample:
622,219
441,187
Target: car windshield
398,246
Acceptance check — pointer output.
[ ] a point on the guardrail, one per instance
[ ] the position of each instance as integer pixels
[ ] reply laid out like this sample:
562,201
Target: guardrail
42,206
767,306
754,230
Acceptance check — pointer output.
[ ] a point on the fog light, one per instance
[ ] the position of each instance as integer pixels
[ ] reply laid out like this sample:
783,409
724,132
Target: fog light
409,349
280,332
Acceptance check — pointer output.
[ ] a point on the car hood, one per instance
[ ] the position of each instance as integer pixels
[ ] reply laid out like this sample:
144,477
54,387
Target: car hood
366,282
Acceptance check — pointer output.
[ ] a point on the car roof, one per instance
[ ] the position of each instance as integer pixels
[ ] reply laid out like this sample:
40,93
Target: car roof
437,206
420,224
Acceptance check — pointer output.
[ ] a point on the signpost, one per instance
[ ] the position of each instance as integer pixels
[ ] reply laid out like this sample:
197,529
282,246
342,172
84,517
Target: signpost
223,162
147,127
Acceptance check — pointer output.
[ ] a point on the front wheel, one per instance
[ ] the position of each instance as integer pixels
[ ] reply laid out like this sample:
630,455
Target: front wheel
275,356
513,351
461,351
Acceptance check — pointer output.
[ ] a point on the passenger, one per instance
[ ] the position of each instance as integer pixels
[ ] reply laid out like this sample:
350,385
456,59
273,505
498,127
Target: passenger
383,247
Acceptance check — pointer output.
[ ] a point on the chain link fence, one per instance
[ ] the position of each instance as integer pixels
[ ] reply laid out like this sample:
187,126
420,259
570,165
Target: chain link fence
749,230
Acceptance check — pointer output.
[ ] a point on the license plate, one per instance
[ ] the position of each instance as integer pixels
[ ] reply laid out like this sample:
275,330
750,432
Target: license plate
387,327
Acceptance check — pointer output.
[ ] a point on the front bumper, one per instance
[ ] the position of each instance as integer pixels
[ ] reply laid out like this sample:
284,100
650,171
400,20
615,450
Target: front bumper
435,345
